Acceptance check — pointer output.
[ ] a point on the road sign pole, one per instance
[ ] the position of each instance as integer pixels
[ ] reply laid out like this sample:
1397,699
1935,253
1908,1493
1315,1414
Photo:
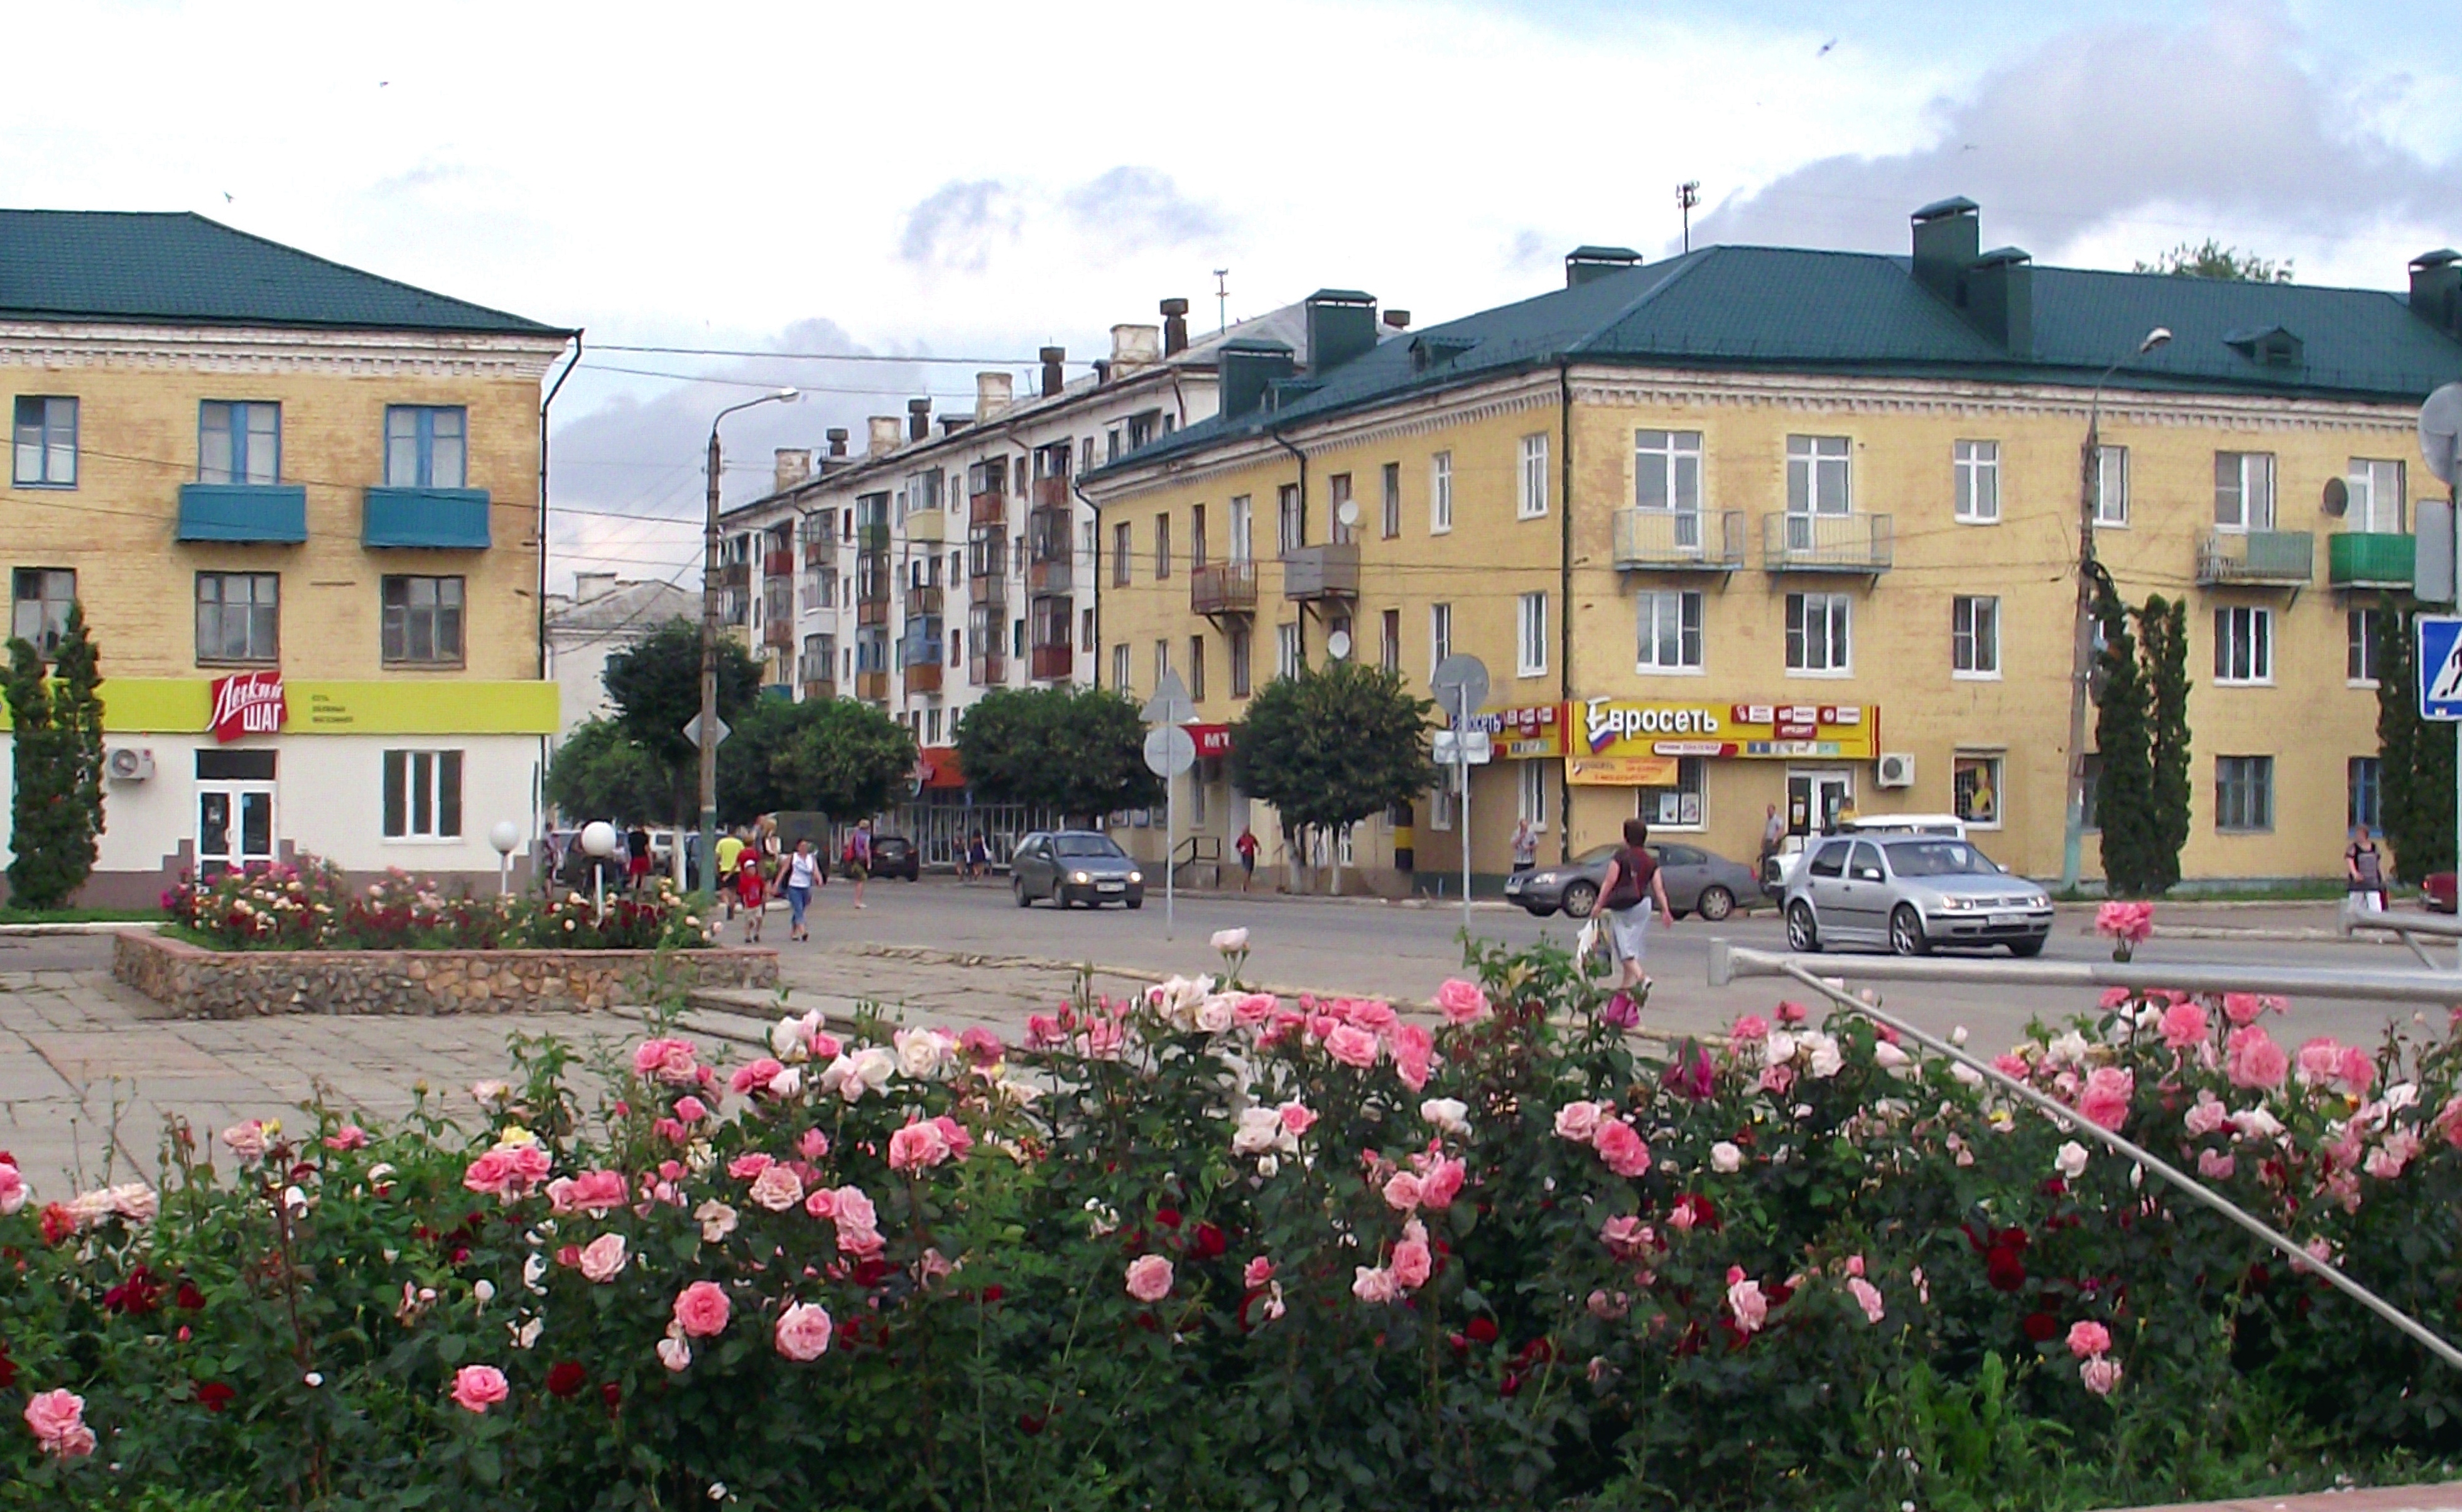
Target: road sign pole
1170,855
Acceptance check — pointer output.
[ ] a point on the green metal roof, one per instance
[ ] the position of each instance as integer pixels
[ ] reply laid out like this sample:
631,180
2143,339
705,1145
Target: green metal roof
111,265
1791,309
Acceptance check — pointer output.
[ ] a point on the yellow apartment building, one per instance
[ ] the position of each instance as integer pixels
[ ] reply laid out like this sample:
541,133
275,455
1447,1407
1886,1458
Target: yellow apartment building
300,506
1763,527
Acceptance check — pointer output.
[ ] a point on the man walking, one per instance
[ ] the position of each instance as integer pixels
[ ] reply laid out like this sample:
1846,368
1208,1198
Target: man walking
858,858
730,851
1246,845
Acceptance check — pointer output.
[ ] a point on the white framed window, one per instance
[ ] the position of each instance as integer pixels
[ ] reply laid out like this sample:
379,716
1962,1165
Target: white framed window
1530,499
1667,471
1338,501
422,796
1974,635
2245,490
1242,530
1440,801
2243,793
1683,805
1819,638
1290,653
1440,493
1818,475
1162,662
2359,667
1530,645
1669,620
2378,496
1530,792
1393,520
1120,666
2243,645
1291,515
1440,634
2111,487
1976,466
1974,789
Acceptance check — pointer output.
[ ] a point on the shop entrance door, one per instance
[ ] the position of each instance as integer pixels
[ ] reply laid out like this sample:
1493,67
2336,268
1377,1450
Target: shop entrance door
235,820
1814,799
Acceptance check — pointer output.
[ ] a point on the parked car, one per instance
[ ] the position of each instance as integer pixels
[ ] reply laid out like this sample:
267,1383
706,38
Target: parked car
895,855
1072,867
1779,868
1909,894
2437,892
1698,881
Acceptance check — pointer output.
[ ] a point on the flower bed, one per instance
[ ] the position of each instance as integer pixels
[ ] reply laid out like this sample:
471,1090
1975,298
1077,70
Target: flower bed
1213,1249
311,906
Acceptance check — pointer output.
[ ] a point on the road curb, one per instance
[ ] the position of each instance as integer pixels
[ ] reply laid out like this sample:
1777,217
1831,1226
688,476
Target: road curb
97,926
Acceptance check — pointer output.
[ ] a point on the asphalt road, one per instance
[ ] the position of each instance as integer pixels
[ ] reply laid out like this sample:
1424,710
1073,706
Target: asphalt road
1404,952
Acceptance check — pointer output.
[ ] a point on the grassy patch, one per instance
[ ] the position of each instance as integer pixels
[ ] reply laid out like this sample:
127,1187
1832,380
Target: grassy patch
10,914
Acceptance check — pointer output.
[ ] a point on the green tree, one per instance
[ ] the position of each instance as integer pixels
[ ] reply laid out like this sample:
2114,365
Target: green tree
1333,745
655,685
2211,259
1078,750
2163,631
55,721
2414,759
2124,796
601,773
841,757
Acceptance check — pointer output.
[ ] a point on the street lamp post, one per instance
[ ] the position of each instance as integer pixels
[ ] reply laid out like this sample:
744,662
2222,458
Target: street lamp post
709,633
2082,646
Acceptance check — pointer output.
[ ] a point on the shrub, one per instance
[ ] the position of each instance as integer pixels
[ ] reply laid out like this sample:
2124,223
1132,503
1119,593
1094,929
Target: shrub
1215,1249
312,906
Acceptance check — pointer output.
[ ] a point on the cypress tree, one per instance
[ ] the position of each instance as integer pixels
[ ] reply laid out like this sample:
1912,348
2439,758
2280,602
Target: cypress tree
2164,629
2122,795
2414,760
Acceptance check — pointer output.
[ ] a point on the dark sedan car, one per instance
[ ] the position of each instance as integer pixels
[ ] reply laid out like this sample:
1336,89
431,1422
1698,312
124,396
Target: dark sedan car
1072,867
895,855
1698,881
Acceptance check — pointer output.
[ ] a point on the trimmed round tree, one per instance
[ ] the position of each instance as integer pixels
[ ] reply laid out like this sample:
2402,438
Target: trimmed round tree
1078,750
1333,745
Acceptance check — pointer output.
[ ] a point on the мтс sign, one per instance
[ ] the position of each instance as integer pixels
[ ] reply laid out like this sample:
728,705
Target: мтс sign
246,704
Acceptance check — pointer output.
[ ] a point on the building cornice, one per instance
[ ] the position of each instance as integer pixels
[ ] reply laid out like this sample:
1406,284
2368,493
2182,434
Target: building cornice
277,349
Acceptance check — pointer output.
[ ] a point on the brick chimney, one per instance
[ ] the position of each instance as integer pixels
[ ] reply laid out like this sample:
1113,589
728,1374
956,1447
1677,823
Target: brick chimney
1052,380
1175,326
837,441
794,465
918,418
885,435
1133,347
994,392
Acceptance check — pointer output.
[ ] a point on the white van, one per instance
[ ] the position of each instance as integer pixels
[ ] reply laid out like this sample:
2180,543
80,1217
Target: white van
1779,869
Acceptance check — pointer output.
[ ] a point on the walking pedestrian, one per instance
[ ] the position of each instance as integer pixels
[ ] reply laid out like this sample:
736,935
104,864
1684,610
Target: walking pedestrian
800,869
730,853
2364,869
979,857
1631,892
752,892
1246,845
858,858
1525,846
1773,830
637,857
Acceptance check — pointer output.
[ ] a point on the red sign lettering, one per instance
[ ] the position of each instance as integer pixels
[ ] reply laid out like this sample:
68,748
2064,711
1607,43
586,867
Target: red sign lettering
248,704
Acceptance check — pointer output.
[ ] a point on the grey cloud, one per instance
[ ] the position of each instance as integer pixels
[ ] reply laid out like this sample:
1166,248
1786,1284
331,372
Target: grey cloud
2218,116
959,224
1139,208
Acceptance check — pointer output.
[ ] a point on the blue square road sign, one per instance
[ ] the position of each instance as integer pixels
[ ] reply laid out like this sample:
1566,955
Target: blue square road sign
2438,659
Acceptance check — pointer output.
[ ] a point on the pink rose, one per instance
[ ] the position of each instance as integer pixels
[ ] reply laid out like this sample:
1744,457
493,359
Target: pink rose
813,1144
57,1418
822,1202
1866,1297
2206,1116
1375,1285
13,1190
1441,1183
1624,1236
1745,1301
2107,1096
1250,1009
2100,1376
691,1110
591,1192
2449,1121
2089,1339
1402,1191
1414,1051
2241,1008
1751,1027
2128,922
2344,1067
349,1136
1297,1118
701,1309
1351,1046
803,1331
917,1146
955,1136
746,1167
1148,1278
1257,1272
753,1077
1790,1013
247,1140
855,1208
1462,1001
2185,1025
603,1257
777,1188
1577,1121
1413,1262
673,1062
2252,1059
476,1388
2214,1165
529,1168
1621,1148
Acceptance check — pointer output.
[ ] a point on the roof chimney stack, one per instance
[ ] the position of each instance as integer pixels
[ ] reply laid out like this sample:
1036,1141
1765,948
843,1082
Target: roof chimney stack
1135,347
884,436
1341,325
1175,326
792,464
837,441
994,392
2436,290
1585,262
1398,319
1949,235
1052,380
918,418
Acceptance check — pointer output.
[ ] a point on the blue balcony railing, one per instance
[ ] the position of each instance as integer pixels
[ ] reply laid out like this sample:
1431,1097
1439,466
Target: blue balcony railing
429,519
261,513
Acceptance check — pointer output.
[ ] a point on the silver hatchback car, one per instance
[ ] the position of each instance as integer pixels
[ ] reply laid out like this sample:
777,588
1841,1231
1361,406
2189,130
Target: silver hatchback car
1911,895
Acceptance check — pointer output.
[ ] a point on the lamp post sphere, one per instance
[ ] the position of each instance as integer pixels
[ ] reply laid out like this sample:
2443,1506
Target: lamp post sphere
598,839
505,837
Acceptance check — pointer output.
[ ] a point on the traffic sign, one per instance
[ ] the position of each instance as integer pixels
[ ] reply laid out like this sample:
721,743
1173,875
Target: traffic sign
1171,704
1476,747
692,732
2440,433
2439,660
1170,750
1460,685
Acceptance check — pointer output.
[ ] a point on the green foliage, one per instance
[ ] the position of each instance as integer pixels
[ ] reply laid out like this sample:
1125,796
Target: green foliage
599,774
2163,631
55,818
838,756
1333,745
2211,259
2124,795
655,685
1079,751
2415,758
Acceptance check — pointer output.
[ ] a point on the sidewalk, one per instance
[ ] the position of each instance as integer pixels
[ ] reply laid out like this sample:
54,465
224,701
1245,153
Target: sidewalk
2443,1497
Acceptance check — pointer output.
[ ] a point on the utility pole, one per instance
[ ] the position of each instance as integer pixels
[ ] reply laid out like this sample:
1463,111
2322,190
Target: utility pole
709,635
1222,301
1688,194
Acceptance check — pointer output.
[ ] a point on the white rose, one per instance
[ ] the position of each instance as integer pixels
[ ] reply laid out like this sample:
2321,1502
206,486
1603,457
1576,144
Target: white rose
1447,1114
1258,1131
788,1040
1894,1060
1966,1074
1227,941
1215,1014
1826,1061
919,1053
1725,1159
2070,1160
2069,1050
874,1066
1780,1048
786,1083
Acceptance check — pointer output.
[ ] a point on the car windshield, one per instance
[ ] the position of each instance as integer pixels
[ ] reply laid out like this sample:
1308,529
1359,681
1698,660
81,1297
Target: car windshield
1940,858
1086,844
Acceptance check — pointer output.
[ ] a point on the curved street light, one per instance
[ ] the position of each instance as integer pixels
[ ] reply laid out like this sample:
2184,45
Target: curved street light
710,631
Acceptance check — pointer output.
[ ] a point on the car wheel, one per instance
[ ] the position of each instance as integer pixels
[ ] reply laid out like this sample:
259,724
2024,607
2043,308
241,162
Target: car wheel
1537,912
1580,899
1716,904
1803,935
1136,902
2025,949
1017,885
1907,932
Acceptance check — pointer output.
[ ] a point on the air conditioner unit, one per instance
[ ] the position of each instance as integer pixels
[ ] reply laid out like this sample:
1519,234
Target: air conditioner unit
128,763
1896,770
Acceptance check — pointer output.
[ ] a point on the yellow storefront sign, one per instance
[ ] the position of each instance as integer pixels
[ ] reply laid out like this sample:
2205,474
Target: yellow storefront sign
184,706
1630,727
1621,771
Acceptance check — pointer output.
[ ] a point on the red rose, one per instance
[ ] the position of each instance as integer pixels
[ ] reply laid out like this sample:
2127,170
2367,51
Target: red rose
2041,1328
566,1378
1206,1241
2003,1269
612,1395
1481,1329
1167,1216
214,1395
57,1224
189,1299
7,1369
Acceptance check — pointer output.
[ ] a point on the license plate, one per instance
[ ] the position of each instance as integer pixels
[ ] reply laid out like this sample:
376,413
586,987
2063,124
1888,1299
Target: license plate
2007,920
1110,887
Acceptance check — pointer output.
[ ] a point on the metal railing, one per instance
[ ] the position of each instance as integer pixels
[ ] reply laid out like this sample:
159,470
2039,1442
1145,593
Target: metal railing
1727,962
1827,543
1224,588
2287,557
2407,926
1706,540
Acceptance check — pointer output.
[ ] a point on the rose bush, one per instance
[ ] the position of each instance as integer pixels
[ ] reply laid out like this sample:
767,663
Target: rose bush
1215,1249
311,906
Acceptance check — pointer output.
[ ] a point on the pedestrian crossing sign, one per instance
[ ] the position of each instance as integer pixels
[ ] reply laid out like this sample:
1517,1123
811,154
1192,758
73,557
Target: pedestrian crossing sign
2439,660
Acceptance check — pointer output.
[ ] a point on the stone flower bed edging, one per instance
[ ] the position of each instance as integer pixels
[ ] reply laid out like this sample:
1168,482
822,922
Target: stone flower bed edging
199,983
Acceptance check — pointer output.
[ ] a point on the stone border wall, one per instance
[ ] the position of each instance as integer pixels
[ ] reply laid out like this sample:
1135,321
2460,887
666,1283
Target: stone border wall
195,983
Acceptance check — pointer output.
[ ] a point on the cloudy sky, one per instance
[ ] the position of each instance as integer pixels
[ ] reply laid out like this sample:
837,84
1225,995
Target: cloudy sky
970,180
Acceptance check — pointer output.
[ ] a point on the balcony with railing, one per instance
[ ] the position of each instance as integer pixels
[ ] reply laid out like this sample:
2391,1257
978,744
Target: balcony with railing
990,591
922,676
1679,540
928,527
777,630
2257,558
815,688
871,611
2371,559
778,563
425,519
1053,663
873,537
987,669
1330,571
872,686
1224,588
923,599
1856,542
987,508
253,513
1053,576
1051,493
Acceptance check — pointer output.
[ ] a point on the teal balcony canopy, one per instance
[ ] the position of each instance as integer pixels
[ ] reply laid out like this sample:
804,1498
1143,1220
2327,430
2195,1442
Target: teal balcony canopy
263,513
426,519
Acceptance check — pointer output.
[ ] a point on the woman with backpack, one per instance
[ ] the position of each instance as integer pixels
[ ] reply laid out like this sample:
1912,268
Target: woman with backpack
1631,893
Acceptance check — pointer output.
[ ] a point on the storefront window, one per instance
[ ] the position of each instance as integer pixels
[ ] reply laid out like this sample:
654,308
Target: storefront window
1975,782
1681,805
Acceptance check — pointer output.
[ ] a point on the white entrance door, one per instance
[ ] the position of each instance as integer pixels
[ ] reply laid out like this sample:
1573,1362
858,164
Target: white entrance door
1813,799
234,825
